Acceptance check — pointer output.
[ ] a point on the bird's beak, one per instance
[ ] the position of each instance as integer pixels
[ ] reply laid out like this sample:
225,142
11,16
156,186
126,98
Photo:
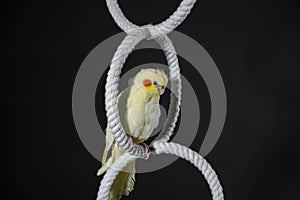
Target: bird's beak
161,89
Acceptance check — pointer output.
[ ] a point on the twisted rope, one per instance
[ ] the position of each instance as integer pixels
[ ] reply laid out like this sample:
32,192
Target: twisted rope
136,34
166,148
197,160
111,175
163,28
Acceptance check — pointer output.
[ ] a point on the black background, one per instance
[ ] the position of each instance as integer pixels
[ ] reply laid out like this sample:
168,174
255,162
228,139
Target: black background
255,45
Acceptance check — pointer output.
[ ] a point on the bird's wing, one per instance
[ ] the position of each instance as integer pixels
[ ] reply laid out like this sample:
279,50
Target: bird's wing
122,105
135,114
109,139
136,122
151,118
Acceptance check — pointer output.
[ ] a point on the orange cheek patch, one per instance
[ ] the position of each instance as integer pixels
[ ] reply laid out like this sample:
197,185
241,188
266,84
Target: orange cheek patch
147,82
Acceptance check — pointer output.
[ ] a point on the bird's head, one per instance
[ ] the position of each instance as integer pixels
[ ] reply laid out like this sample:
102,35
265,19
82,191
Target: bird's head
153,80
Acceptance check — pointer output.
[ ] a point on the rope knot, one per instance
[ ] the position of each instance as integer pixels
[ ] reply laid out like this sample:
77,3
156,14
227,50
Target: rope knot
148,31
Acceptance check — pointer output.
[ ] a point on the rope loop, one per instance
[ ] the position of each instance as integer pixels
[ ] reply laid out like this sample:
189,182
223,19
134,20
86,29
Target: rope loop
165,148
112,84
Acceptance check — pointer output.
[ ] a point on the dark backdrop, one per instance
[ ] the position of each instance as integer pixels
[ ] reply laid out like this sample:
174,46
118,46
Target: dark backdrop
255,45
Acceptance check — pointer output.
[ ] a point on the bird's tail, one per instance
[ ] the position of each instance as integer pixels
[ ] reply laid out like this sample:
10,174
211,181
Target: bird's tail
124,182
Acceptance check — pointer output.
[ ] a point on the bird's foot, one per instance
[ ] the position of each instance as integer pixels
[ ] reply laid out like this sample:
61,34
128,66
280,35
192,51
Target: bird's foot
146,147
131,140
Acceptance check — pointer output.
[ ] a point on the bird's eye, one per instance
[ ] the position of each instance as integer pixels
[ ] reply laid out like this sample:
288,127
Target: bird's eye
155,83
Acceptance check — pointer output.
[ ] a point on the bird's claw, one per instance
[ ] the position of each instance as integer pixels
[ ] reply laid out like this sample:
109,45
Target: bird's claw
131,140
146,148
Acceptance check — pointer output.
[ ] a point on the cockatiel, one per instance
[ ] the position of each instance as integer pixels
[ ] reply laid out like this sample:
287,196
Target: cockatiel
139,114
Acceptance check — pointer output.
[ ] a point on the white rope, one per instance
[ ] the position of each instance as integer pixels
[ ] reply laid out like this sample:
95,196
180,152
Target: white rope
133,151
167,148
163,28
111,175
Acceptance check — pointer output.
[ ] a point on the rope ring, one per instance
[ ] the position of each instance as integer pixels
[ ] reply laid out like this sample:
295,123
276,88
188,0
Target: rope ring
112,84
163,28
167,148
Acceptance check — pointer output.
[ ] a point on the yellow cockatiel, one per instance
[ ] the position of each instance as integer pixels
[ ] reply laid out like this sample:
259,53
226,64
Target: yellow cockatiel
139,113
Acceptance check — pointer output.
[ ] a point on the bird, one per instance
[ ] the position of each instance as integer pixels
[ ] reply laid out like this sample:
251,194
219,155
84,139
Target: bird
139,113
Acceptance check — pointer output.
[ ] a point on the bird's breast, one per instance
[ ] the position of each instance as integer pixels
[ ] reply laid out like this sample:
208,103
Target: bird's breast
143,117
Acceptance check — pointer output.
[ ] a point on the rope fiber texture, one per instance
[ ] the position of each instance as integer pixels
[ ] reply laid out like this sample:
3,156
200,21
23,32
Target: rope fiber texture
136,34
